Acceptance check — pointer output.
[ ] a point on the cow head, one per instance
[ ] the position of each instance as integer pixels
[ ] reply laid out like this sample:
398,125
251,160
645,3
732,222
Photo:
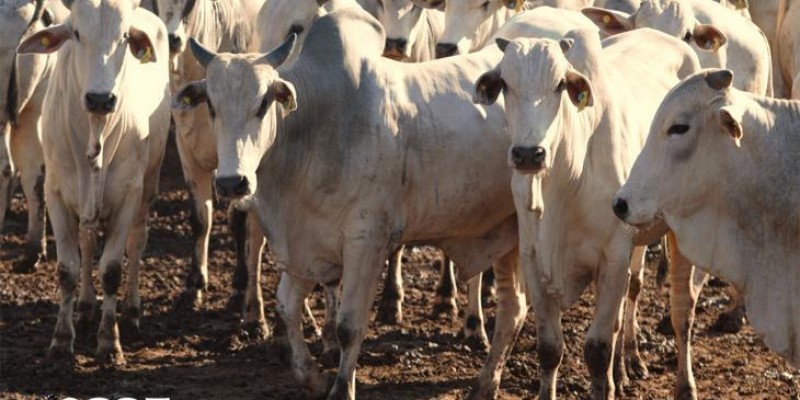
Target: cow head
19,75
401,20
101,33
673,17
694,139
245,97
278,19
468,24
176,15
540,86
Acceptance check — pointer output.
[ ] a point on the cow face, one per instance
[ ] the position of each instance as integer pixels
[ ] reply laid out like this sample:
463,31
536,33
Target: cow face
538,85
673,17
101,33
245,97
278,19
468,25
696,130
18,79
400,19
176,14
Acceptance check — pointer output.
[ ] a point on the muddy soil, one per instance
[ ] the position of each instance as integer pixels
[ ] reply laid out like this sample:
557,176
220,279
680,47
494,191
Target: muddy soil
202,354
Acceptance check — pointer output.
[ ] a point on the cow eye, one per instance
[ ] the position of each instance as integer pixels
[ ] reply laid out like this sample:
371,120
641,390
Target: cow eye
211,110
687,37
485,6
677,129
296,29
262,109
562,84
77,35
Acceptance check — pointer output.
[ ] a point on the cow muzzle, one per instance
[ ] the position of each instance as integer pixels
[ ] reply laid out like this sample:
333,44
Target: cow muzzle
100,103
234,186
528,159
395,49
444,50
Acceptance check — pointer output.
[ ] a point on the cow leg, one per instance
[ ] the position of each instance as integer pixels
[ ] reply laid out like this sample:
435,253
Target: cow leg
685,287
65,228
254,320
511,311
549,333
109,349
628,344
598,350
291,296
6,172
239,227
197,279
331,351
474,331
359,286
26,151
446,291
391,305
86,301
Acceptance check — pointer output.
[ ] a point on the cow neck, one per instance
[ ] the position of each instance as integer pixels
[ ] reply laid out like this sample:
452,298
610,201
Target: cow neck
218,25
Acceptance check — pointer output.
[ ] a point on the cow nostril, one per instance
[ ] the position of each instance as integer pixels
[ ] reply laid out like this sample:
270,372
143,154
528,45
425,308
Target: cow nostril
175,42
620,208
100,103
516,155
233,186
539,154
445,50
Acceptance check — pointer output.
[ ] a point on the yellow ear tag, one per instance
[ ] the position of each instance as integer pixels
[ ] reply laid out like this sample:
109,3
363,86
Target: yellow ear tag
187,100
583,100
147,56
45,41
606,19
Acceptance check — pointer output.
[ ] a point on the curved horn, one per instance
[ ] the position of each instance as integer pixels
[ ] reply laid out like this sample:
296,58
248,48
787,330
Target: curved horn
278,55
201,53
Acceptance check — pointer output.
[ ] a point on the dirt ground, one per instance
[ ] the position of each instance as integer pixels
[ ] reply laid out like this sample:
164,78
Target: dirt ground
203,355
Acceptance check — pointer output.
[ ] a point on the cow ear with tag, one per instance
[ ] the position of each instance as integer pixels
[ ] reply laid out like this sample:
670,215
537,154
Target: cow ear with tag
285,95
488,88
579,90
190,96
46,41
708,37
609,21
515,5
730,119
141,46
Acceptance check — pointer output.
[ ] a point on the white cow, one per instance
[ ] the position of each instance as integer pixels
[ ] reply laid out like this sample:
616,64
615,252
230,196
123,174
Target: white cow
21,95
720,36
103,134
367,175
719,166
787,46
225,25
411,30
570,108
470,24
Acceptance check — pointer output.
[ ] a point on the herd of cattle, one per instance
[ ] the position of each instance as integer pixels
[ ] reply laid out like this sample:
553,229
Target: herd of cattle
343,130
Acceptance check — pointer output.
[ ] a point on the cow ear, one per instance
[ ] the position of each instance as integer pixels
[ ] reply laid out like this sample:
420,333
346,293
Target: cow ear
579,90
708,37
609,21
488,88
141,46
190,96
46,40
430,4
515,5
720,79
566,44
285,95
502,44
730,119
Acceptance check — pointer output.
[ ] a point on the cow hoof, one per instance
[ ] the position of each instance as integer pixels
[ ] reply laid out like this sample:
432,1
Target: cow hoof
685,392
340,390
60,356
257,331
477,342
728,323
315,384
189,300
235,303
621,378
329,358
446,308
109,356
389,314
636,367
27,265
